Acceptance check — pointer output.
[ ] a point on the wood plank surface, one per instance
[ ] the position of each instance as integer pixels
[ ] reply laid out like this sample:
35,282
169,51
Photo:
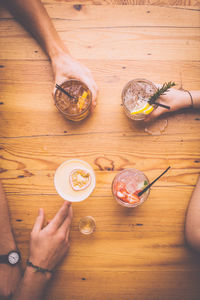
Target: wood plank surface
150,283
154,36
148,44
133,254
179,3
124,16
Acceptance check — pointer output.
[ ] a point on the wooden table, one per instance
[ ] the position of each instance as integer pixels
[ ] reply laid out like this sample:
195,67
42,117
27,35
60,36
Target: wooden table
135,253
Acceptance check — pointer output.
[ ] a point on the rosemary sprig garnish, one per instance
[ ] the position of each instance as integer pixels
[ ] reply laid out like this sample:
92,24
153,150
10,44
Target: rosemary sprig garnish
160,91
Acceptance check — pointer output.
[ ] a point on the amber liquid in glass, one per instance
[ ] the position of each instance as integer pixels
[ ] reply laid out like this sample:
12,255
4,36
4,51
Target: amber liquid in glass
76,107
87,225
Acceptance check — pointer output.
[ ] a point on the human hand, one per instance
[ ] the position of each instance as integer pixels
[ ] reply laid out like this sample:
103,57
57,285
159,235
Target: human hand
174,98
49,244
65,67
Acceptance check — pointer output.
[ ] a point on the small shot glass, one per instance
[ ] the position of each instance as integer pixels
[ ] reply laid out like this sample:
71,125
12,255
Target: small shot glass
87,225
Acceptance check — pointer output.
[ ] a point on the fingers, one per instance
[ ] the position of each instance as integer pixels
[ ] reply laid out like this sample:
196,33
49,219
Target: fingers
94,97
59,80
48,222
155,114
89,81
67,222
39,221
59,218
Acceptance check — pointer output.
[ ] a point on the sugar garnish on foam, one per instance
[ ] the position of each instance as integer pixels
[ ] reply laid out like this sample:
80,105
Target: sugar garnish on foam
79,179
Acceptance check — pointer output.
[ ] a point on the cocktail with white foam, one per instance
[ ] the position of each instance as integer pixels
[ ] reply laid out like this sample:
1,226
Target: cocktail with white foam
74,180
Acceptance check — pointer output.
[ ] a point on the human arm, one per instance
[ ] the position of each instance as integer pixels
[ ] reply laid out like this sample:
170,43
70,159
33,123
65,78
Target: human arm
176,99
9,275
34,17
192,225
48,246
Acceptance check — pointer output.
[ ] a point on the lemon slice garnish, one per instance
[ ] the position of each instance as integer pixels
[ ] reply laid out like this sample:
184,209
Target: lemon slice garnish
140,110
149,110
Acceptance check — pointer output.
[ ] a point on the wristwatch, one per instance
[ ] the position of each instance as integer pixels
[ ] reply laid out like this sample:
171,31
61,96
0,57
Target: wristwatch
12,258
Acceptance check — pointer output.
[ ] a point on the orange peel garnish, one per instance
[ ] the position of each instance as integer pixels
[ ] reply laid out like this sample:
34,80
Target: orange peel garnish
81,100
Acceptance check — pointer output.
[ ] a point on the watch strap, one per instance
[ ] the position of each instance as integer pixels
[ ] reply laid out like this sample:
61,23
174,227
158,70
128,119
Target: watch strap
4,258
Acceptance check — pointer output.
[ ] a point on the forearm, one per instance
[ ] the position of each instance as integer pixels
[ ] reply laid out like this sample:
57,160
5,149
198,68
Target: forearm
34,17
192,227
32,286
9,275
196,98
7,242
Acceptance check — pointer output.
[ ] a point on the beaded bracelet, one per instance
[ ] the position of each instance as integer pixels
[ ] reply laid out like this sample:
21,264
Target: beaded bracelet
37,269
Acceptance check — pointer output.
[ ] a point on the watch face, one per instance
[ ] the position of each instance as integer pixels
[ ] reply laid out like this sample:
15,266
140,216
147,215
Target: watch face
13,257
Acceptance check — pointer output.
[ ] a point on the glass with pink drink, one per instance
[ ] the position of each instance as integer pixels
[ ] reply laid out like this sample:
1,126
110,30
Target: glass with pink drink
126,186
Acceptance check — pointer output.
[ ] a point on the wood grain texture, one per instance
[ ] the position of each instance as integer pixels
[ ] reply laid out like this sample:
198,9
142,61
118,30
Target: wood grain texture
179,3
133,254
154,33
148,44
153,281
117,16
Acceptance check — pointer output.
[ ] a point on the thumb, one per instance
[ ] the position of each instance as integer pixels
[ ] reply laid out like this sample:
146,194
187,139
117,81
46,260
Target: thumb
58,80
39,221
155,114
94,102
